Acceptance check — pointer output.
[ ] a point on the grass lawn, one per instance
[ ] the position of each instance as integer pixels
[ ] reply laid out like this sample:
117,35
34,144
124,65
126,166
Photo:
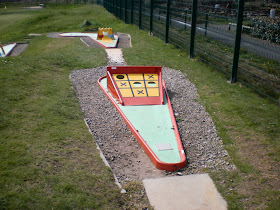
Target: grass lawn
48,158
7,20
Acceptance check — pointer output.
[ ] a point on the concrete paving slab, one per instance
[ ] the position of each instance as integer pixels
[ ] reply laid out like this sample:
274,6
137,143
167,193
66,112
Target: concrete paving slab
115,57
184,192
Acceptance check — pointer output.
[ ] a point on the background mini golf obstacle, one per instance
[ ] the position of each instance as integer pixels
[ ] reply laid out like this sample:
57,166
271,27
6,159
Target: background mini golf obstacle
103,37
6,49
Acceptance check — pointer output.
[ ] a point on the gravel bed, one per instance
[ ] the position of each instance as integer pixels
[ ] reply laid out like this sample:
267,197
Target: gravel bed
54,35
20,47
128,161
124,40
90,43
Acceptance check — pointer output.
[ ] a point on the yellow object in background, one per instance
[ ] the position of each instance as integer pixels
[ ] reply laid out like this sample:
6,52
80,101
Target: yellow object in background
106,39
105,34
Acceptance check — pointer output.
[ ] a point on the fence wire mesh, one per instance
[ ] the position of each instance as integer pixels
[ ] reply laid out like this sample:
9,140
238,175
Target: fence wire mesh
259,60
215,41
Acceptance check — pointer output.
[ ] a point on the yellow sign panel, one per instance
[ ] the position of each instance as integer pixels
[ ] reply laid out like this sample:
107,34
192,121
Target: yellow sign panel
106,40
153,91
119,77
135,77
137,85
151,84
139,92
123,84
126,92
151,77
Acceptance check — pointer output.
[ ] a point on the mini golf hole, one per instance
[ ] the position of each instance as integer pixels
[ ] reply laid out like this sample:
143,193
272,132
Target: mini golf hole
137,84
152,84
120,76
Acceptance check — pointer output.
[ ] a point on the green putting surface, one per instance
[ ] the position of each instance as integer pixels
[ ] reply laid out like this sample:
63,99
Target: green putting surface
154,124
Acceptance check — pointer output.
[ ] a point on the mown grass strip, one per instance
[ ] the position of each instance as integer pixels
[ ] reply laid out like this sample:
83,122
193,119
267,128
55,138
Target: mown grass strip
48,157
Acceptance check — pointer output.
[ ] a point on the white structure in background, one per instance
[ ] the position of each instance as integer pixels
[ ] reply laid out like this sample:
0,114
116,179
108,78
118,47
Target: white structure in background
6,50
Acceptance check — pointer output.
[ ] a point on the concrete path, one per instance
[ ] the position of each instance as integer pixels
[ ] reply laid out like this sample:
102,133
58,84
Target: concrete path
115,57
184,193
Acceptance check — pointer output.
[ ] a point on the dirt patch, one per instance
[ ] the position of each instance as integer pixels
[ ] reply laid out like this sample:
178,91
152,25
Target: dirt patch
128,161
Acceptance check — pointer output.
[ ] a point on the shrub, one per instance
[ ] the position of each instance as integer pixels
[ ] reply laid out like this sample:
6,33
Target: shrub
266,29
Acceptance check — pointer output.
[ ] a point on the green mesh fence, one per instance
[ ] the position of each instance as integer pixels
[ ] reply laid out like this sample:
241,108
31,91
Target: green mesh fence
259,61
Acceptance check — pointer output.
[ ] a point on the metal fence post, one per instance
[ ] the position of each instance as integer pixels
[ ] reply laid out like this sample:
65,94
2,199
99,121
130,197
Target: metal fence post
125,11
131,11
151,16
206,23
113,7
120,9
186,18
167,20
237,41
193,28
170,20
140,14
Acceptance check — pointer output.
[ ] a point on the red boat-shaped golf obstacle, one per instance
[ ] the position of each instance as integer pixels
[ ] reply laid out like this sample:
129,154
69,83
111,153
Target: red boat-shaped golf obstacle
139,94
